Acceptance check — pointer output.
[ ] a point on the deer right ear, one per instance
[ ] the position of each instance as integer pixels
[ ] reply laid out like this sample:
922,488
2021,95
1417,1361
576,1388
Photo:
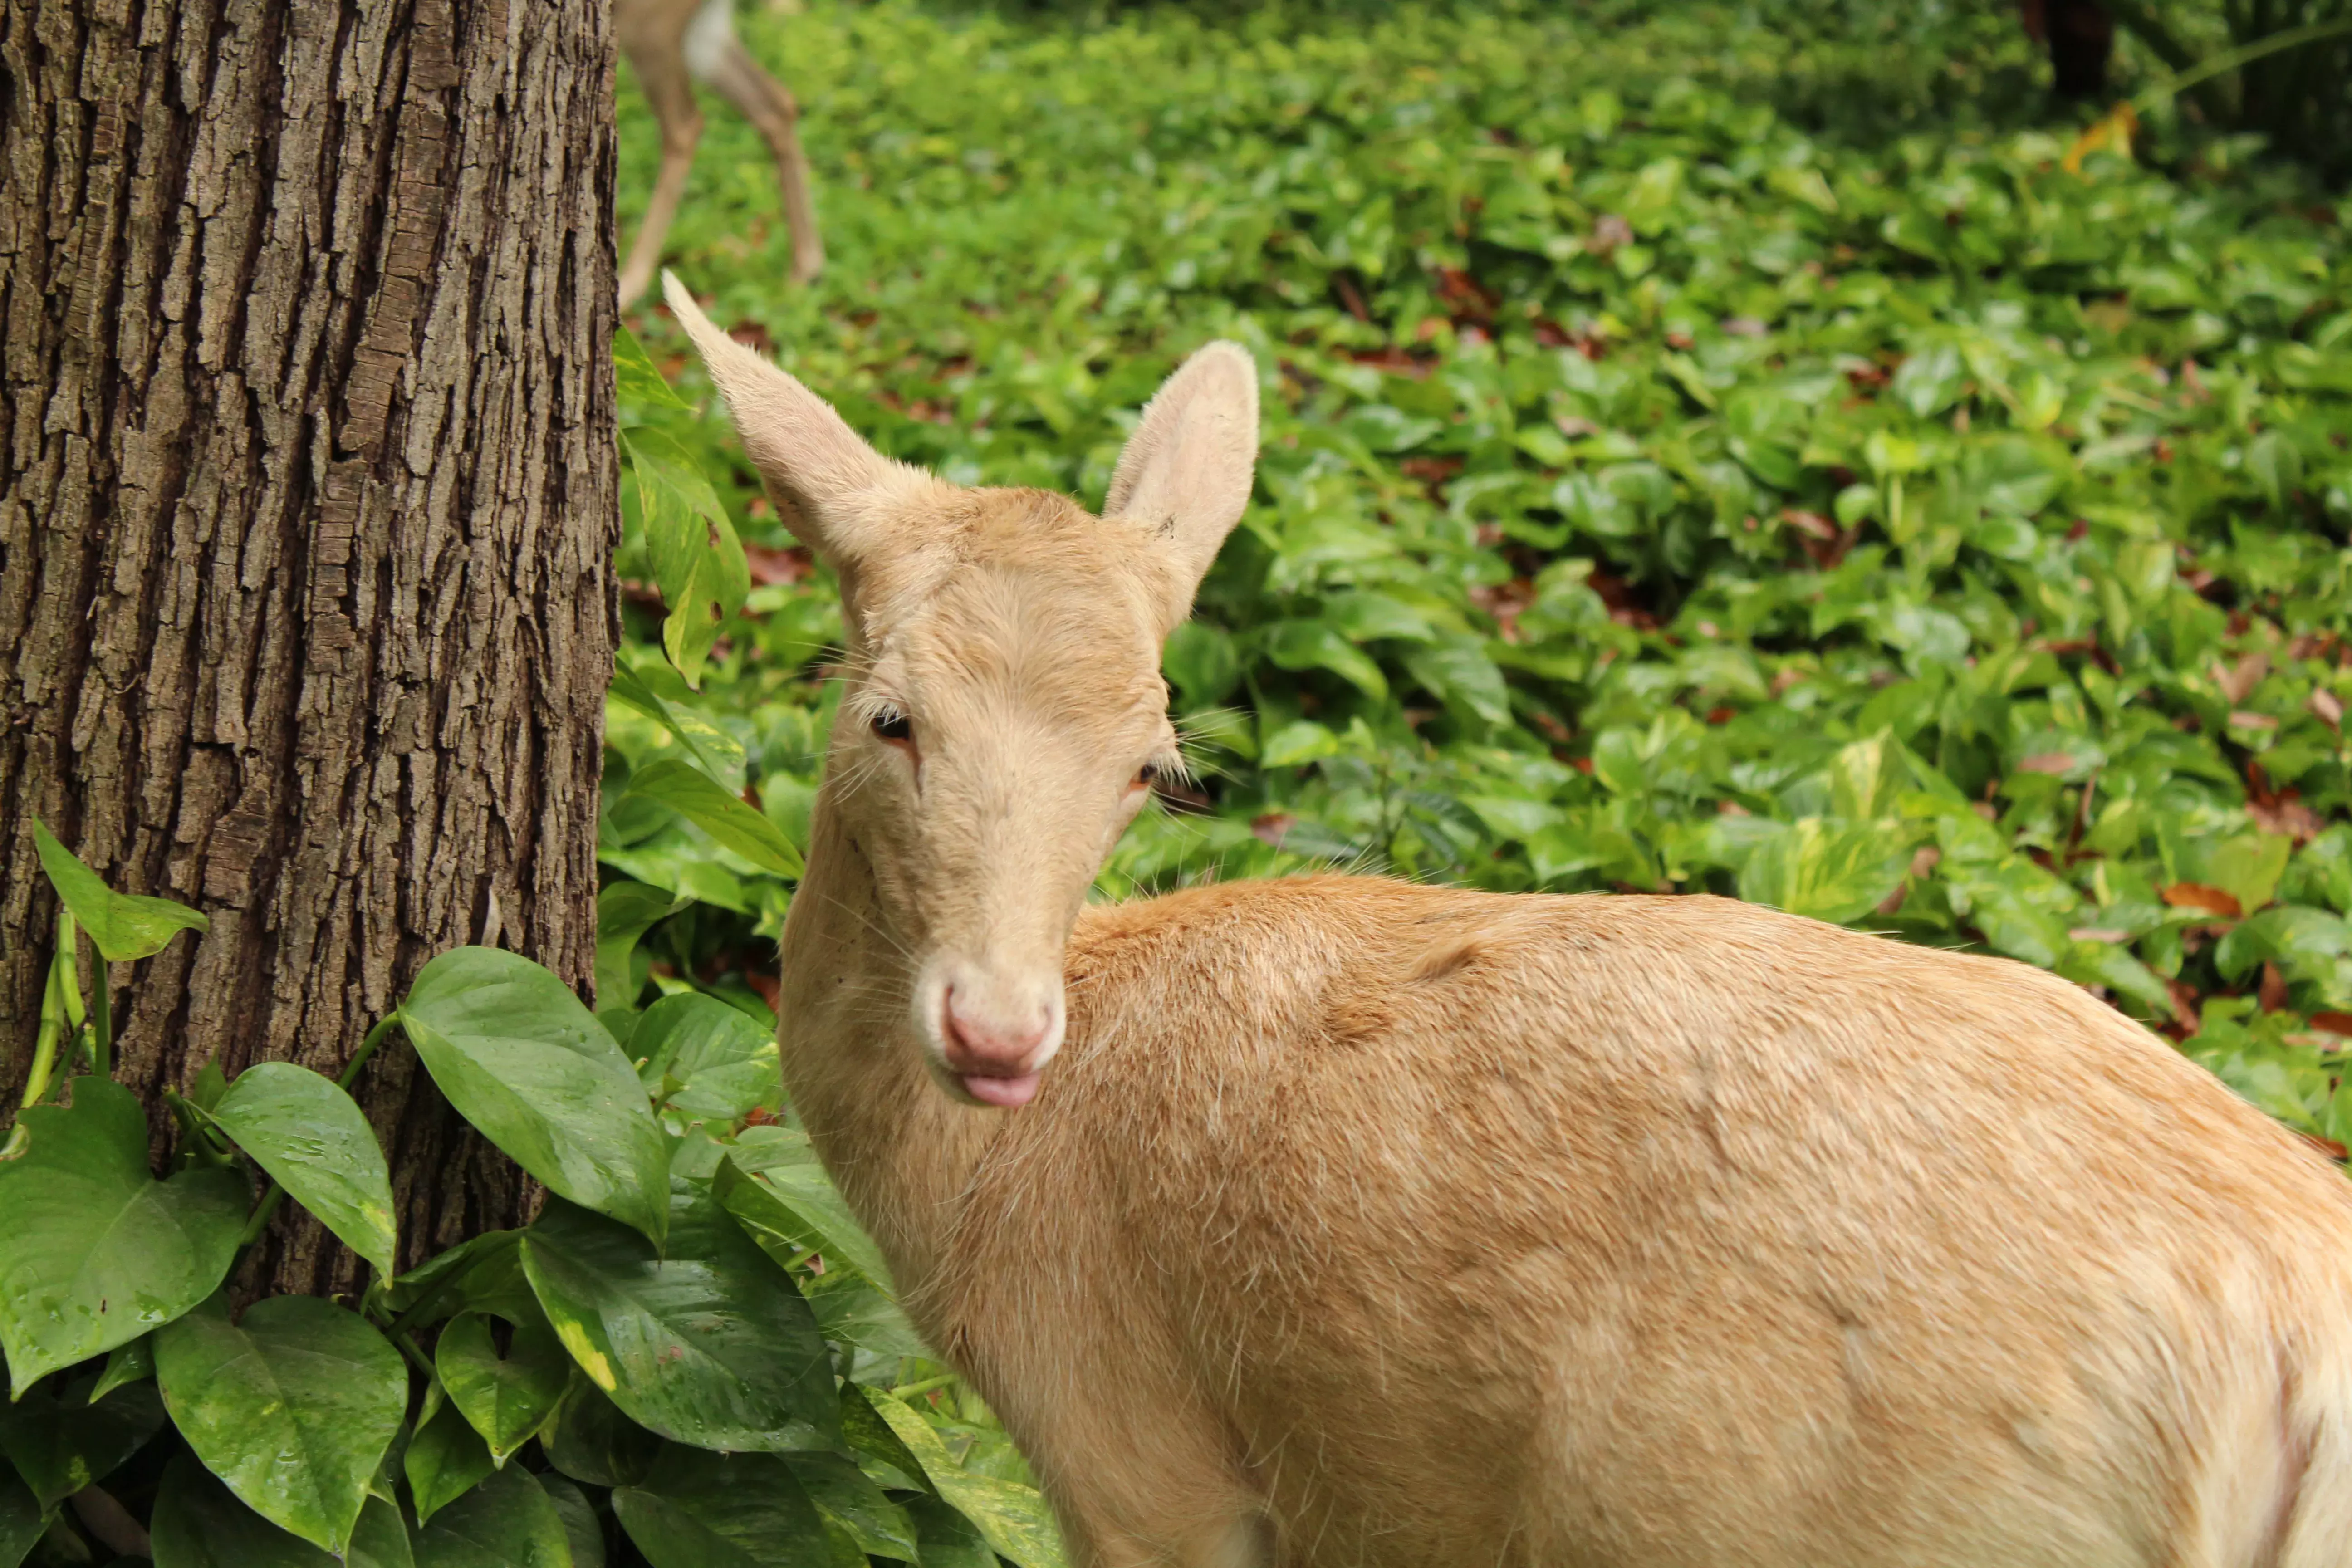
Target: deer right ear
1185,473
839,490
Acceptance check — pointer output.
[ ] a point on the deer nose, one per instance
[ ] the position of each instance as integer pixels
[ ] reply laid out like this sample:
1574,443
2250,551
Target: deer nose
996,1049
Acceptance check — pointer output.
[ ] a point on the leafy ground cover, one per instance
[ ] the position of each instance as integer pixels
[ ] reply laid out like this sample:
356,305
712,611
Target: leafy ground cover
1701,454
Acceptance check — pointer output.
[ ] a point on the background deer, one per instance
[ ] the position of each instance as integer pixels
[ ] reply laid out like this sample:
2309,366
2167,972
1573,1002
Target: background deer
1357,1223
672,45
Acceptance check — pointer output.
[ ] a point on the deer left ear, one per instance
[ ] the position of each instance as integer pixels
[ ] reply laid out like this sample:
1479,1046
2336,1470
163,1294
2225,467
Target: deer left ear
1185,473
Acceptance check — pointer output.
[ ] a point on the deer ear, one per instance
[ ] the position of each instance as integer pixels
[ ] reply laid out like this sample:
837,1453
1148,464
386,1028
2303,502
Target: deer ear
838,492
1185,473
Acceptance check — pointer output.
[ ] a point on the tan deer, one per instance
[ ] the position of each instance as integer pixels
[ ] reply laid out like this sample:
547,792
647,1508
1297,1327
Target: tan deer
1363,1224
672,45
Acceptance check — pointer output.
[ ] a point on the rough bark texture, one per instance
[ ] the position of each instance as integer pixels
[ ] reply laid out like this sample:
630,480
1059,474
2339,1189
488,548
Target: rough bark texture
307,497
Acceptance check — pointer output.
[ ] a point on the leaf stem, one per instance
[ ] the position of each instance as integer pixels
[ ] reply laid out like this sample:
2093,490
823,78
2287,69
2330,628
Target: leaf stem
101,1018
45,1049
909,1391
262,1213
350,1075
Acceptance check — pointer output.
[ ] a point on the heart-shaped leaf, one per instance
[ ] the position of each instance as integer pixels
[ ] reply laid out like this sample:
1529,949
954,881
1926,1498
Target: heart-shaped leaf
523,1059
199,1523
93,1250
507,1521
507,1397
706,1342
700,1510
693,794
849,1496
314,1141
1012,1517
589,1440
581,1529
292,1407
789,1193
132,1362
445,1460
21,1521
61,1443
724,1062
123,926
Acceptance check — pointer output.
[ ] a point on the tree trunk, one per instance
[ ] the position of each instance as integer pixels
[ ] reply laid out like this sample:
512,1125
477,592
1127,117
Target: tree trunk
308,498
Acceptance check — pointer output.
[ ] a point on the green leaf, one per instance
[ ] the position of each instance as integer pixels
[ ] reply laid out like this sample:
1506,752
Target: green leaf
21,1521
314,1141
1202,662
1829,872
1313,645
797,1203
740,827
292,1407
724,1062
948,1539
60,1444
1014,1518
123,926
1457,672
445,1460
636,377
847,1496
507,1521
505,1397
93,1250
880,1454
699,1510
126,1363
523,1060
589,1440
625,913
851,1309
582,1531
199,1523
698,560
706,1342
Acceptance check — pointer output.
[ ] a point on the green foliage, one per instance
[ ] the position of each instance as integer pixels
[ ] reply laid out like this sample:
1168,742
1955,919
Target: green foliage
311,1139
478,1393
1688,468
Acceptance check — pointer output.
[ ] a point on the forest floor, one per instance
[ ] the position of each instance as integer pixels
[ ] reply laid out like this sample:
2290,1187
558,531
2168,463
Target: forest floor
1699,453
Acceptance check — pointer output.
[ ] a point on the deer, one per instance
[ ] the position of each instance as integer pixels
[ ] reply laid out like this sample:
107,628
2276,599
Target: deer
672,45
1335,1221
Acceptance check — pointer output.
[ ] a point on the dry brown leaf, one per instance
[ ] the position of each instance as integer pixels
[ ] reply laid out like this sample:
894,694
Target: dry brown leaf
2328,707
2203,896
2272,993
2237,681
2056,762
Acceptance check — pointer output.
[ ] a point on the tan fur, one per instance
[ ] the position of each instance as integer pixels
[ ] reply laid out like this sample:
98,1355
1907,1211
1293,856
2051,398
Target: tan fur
672,45
1364,1224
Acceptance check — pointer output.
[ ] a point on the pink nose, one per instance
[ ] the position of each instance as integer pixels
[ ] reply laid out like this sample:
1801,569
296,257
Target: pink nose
991,1046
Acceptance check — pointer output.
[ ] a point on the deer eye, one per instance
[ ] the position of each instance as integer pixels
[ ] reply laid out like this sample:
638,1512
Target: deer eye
894,726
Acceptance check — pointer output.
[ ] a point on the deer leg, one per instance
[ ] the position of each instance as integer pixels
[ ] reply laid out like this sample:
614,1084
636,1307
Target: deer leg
769,105
662,75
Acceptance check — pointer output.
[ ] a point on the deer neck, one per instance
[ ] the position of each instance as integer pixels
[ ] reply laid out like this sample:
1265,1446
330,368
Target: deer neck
901,1152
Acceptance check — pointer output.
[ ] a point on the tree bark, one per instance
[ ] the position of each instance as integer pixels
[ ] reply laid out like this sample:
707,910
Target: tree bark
308,498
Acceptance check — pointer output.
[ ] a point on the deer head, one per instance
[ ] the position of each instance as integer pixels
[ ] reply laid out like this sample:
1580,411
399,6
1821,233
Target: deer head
1004,715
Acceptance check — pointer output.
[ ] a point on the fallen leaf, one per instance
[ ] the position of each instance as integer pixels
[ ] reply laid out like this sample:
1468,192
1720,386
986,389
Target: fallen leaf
2288,816
2237,681
2245,720
2272,991
1271,826
2334,1023
2328,707
2099,933
2202,896
2059,763
2327,1146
